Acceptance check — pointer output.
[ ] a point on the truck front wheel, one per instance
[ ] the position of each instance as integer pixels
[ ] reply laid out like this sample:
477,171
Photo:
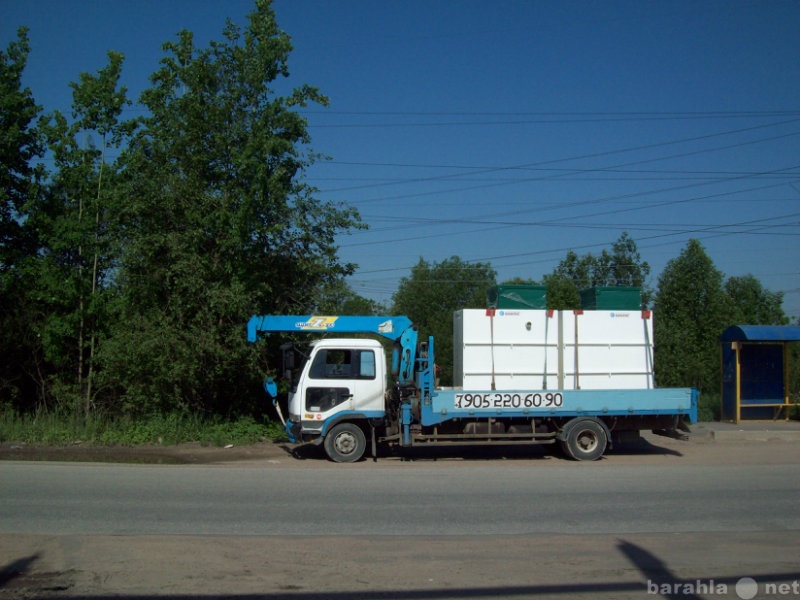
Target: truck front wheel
585,440
345,442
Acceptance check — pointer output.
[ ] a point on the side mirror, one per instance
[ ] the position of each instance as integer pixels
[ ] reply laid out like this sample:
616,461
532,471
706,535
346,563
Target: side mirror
288,357
271,387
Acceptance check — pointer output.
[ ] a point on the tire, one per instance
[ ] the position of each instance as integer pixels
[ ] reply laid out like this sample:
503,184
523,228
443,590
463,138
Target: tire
345,443
585,440
564,447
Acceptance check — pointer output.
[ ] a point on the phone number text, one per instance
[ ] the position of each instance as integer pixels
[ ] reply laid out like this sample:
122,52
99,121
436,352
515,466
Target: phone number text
509,400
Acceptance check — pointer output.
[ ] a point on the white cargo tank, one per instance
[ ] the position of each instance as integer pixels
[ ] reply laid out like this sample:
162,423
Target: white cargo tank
515,349
608,349
545,349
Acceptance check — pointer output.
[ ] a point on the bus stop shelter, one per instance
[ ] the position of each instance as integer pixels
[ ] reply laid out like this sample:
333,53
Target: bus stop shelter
755,371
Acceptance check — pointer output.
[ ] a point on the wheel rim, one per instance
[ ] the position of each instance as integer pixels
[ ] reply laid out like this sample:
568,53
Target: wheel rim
586,441
345,443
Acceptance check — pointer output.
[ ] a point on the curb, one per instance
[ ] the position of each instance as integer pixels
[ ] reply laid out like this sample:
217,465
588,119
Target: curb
755,436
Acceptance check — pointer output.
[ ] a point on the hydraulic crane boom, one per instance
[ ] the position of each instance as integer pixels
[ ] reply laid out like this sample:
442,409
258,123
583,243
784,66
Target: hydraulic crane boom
389,327
398,329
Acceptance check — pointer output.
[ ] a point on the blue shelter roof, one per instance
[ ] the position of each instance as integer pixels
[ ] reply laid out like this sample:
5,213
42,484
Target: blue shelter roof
761,333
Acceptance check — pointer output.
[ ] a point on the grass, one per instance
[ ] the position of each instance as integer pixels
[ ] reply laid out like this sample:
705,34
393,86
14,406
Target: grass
709,407
171,429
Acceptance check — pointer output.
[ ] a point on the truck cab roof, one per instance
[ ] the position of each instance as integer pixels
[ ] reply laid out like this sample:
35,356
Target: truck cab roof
347,342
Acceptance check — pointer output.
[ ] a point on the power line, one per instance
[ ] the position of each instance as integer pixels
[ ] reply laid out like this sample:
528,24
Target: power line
494,224
605,244
700,114
543,117
486,170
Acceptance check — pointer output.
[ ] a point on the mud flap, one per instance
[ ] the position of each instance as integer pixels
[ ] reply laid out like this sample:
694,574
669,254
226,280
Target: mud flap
672,433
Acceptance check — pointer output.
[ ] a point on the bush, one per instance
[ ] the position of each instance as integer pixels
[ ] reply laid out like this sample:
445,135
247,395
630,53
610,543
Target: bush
709,407
170,429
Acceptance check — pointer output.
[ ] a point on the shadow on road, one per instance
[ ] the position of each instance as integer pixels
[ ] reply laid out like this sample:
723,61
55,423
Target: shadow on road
657,572
643,447
16,569
434,453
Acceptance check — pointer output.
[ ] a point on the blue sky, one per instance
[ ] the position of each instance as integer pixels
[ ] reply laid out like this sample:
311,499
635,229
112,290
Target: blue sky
510,132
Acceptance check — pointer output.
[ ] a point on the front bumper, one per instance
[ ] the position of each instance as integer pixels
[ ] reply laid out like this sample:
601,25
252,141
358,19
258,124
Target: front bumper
298,434
293,431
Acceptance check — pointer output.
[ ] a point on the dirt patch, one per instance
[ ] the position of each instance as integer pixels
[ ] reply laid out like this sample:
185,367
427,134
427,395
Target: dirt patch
540,567
776,446
181,454
195,453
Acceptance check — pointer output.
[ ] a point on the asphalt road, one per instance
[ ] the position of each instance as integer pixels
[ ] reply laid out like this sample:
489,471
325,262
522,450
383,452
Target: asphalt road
504,498
678,521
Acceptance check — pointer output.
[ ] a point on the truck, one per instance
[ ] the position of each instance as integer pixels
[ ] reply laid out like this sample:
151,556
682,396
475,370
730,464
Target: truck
346,395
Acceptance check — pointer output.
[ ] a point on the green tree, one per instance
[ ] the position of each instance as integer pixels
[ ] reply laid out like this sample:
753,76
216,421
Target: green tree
71,272
691,311
623,266
20,146
219,222
566,281
433,292
338,298
753,304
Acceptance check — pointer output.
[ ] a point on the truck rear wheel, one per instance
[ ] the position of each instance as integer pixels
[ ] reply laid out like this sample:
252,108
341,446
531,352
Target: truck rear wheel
585,440
345,442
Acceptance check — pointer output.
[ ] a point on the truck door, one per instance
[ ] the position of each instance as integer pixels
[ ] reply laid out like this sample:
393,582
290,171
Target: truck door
343,379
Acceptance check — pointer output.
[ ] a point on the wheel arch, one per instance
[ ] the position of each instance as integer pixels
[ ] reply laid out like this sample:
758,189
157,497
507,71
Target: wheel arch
361,419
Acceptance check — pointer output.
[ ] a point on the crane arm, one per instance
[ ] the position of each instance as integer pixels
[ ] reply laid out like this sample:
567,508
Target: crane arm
388,327
398,329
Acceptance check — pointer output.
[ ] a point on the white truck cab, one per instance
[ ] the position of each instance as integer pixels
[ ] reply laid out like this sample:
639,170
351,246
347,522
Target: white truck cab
341,377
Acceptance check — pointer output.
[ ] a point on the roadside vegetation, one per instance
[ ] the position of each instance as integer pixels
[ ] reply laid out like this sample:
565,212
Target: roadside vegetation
63,430
134,250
